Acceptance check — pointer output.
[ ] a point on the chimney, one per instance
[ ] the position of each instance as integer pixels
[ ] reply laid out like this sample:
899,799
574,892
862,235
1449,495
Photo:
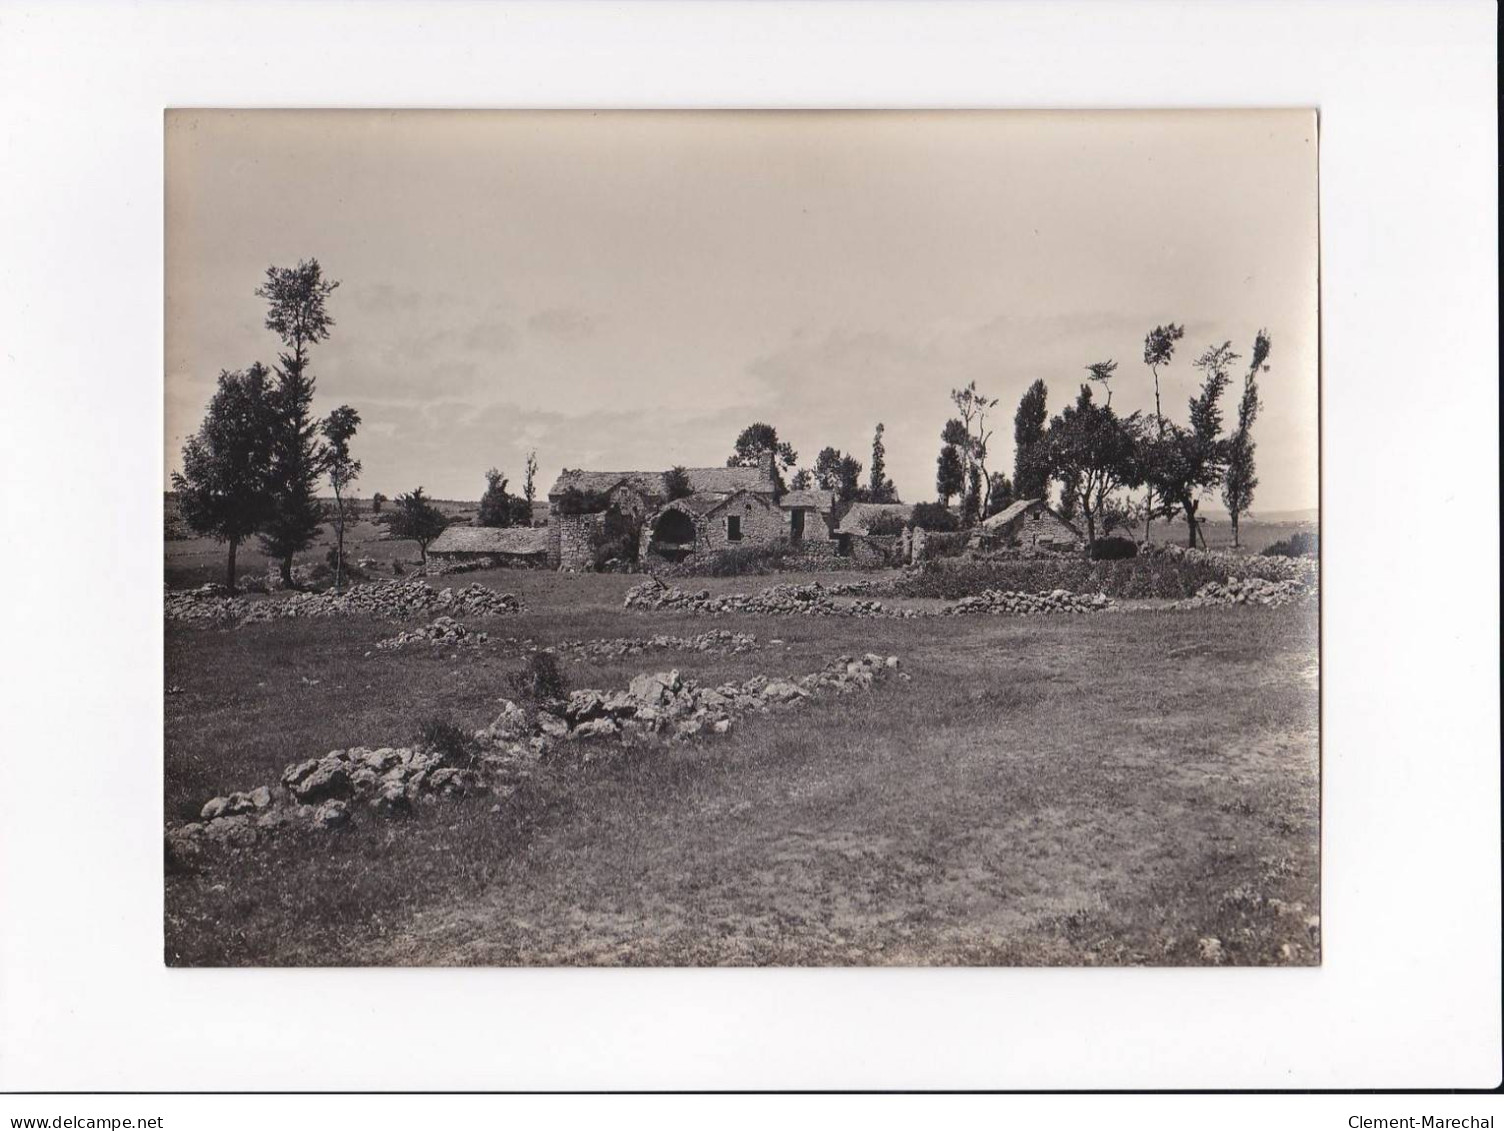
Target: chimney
767,466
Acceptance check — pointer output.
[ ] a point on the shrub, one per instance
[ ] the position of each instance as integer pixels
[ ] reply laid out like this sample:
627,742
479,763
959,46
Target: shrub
446,739
935,517
676,484
946,545
615,539
1301,544
1113,549
574,501
540,680
741,560
887,524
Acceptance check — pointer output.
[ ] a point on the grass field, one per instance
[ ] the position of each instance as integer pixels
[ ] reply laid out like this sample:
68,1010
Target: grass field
1119,788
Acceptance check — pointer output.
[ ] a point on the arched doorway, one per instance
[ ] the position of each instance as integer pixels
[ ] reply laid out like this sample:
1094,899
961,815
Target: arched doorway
673,535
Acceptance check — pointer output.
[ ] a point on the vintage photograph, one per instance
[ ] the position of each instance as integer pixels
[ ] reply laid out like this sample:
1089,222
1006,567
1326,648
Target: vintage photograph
730,538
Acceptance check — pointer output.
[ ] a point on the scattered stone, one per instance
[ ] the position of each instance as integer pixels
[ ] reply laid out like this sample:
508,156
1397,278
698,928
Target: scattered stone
331,814
1211,950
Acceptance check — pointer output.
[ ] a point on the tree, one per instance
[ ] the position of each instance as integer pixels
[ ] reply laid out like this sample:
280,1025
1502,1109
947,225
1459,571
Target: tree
758,441
530,482
418,520
1000,496
1187,461
676,484
296,313
803,480
1093,453
838,472
1101,372
222,488
949,474
339,429
499,507
376,500
879,486
1159,348
1241,479
1031,465
972,443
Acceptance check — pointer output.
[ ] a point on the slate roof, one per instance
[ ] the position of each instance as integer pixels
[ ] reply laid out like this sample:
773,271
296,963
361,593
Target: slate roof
822,501
1008,514
862,514
702,480
491,540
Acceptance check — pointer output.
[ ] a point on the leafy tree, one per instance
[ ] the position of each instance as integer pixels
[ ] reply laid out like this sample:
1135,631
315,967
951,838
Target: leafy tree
296,313
418,520
676,484
499,507
1031,465
1241,479
971,442
880,488
935,517
575,501
339,429
803,480
1101,372
758,441
838,472
1188,461
222,488
949,474
1093,453
1159,348
376,500
530,482
1001,496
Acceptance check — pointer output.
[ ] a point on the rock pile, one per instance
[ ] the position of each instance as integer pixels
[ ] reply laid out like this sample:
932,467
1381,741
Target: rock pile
444,631
666,704
813,599
320,792
657,707
716,640
998,602
1247,591
379,598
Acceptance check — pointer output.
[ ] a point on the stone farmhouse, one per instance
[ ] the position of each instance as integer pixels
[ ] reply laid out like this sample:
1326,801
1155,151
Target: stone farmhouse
726,507
1028,524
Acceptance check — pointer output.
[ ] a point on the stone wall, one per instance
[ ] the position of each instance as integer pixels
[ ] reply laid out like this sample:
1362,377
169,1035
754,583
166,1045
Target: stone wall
761,524
569,540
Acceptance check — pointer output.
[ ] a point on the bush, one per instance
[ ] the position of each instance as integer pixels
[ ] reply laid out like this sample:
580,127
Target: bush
446,739
540,680
887,524
946,545
741,560
1113,549
935,517
1301,544
615,539
574,501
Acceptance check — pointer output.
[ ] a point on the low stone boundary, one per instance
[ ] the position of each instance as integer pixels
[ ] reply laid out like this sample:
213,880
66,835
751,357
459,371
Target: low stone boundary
808,600
998,602
1248,591
445,631
379,598
716,640
656,707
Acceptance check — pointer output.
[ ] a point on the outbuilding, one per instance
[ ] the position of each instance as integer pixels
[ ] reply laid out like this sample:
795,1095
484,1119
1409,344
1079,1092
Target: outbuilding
518,546
1028,524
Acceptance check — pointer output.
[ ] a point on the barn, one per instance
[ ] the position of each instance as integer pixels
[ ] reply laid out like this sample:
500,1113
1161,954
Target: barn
518,546
1028,524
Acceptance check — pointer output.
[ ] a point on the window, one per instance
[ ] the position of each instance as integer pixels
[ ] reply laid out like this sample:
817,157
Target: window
733,528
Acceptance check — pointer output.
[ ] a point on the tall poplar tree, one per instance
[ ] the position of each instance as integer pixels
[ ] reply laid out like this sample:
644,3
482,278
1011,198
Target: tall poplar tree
295,298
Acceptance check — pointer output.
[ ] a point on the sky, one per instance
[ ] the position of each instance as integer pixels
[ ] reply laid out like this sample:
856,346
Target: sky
628,290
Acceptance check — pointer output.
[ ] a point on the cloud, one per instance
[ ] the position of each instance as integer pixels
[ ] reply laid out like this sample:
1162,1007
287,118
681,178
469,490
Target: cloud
563,323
